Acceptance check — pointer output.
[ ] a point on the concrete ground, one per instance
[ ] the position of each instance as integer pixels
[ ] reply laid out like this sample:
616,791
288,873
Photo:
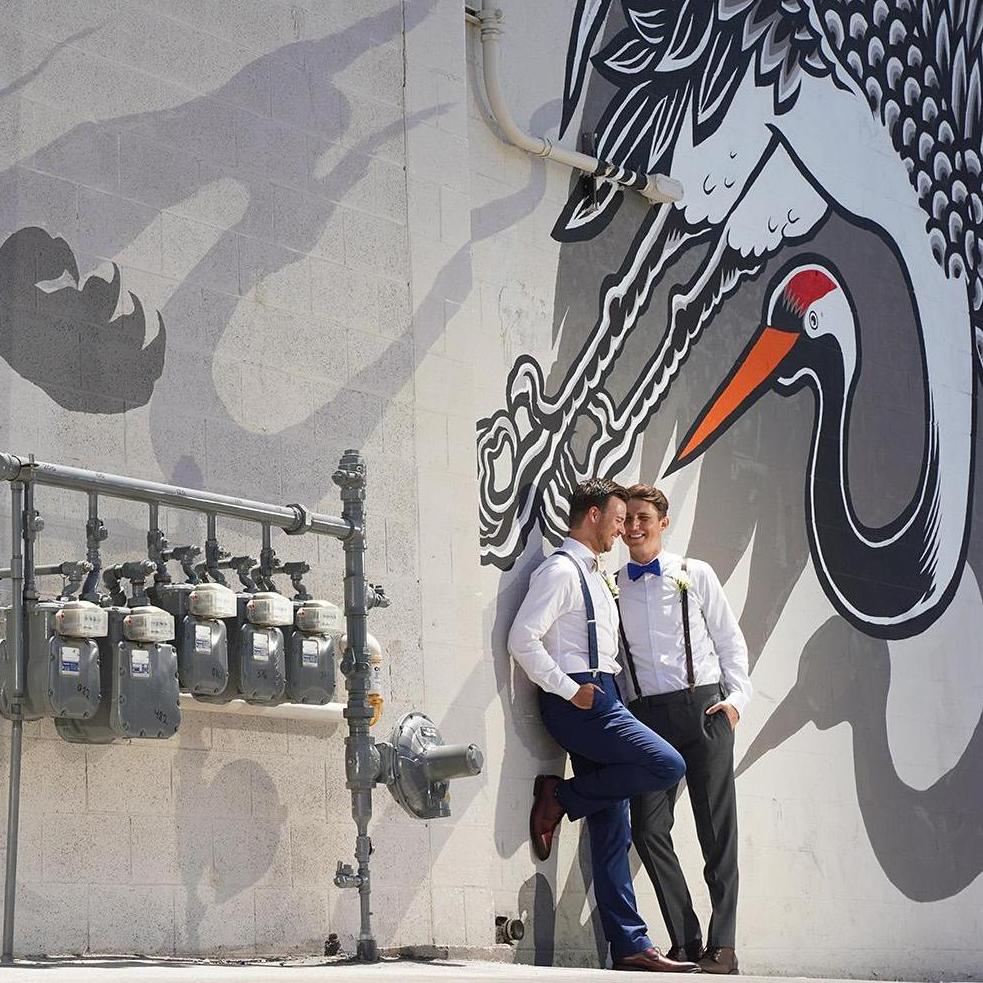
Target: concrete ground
119,970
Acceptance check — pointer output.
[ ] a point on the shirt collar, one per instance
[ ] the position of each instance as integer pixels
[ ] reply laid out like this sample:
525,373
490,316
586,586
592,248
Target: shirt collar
665,558
583,553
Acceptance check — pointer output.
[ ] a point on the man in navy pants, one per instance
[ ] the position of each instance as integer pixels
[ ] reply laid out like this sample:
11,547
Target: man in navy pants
565,637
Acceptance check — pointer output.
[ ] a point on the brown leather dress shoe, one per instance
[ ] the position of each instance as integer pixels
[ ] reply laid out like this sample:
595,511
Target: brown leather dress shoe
719,959
651,960
545,815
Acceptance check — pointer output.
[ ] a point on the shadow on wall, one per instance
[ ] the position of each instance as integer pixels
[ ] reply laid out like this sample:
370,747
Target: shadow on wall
48,334
116,368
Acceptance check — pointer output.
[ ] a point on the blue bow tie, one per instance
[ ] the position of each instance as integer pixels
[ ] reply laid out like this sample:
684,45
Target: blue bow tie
636,570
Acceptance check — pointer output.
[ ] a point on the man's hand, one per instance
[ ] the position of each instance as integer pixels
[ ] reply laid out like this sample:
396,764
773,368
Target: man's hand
727,708
583,699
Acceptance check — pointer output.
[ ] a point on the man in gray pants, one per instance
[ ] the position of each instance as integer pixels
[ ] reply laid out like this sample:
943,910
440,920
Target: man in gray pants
688,671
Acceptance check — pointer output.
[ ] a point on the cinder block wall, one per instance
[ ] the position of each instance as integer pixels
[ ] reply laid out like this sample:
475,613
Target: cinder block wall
342,253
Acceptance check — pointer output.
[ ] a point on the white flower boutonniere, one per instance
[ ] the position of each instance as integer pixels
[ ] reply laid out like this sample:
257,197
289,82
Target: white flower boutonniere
682,582
611,583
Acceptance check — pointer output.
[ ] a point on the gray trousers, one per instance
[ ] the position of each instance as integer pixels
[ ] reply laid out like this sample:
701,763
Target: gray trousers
707,746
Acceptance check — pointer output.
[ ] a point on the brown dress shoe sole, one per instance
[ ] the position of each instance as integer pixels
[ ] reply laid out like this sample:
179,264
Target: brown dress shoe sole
537,787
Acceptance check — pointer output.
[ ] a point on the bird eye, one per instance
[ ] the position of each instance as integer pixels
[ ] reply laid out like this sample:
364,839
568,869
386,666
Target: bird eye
813,320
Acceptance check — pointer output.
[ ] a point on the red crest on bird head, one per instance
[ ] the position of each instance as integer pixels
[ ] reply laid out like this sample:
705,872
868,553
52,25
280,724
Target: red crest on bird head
805,288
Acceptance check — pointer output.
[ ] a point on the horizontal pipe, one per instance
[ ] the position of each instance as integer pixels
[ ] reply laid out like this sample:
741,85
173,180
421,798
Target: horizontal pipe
45,570
328,713
292,518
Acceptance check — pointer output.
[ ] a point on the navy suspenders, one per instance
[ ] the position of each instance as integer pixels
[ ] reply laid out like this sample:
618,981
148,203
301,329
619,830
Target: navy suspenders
589,605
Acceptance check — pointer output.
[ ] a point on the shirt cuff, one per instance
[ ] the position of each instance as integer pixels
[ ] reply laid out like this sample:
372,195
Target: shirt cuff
567,688
738,701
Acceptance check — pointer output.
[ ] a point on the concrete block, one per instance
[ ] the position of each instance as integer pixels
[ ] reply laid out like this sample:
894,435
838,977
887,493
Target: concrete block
431,445
352,419
346,297
401,859
272,149
420,93
398,432
315,847
461,856
249,735
153,173
378,69
212,784
479,916
424,213
210,920
115,927
249,853
375,243
381,366
291,920
435,375
194,252
96,850
256,24
346,174
296,787
455,216
395,307
452,105
306,100
309,223
30,198
90,156
57,781
118,229
428,147
129,779
449,925
51,918
274,276
374,128
179,854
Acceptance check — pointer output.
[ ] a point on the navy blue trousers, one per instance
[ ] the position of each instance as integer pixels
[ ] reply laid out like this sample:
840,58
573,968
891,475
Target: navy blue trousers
614,756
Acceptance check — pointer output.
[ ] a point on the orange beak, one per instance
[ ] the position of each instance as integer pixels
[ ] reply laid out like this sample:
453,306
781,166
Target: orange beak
748,380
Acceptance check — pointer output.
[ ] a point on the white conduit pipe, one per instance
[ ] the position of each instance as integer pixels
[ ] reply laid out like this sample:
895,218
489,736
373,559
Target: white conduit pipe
657,188
327,713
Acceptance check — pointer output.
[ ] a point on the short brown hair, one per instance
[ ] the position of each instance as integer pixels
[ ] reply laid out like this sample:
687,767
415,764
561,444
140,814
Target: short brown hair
652,495
591,493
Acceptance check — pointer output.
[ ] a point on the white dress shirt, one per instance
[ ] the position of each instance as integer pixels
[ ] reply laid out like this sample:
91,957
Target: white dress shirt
652,616
549,635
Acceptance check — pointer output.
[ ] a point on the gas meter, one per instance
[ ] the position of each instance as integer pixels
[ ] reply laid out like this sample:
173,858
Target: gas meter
256,654
62,678
140,695
199,612
310,651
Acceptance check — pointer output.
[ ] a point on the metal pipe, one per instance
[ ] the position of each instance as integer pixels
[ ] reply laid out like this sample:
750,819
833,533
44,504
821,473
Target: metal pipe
327,713
288,517
657,188
95,533
15,640
362,762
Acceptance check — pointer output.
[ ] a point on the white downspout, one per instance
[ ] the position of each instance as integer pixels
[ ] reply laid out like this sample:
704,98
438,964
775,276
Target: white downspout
657,188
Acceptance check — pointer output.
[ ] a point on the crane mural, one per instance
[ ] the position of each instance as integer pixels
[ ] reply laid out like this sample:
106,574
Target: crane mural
831,230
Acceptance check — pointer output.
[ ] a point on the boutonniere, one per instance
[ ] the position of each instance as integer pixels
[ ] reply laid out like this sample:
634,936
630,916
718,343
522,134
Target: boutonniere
611,583
682,582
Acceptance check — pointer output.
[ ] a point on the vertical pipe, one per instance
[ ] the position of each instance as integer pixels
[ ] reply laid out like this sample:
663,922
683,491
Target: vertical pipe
15,641
361,756
95,533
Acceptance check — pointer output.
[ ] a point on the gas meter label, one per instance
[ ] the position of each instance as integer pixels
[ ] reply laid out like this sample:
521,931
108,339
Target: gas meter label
69,661
261,647
140,663
203,638
309,653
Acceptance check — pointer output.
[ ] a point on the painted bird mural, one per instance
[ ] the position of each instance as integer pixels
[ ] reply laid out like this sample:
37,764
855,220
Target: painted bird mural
774,115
